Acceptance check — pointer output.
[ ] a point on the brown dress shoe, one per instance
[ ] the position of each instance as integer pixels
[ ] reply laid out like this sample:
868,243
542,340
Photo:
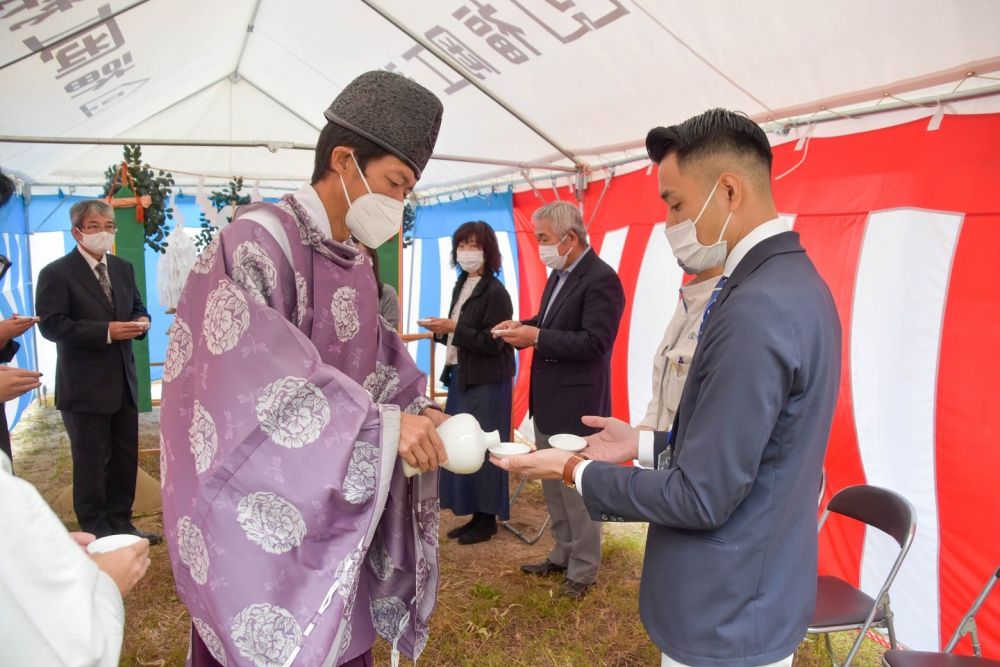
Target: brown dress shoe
543,569
574,589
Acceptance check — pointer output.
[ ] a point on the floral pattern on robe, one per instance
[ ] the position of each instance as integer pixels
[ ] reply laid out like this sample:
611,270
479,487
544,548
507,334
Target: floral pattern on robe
280,426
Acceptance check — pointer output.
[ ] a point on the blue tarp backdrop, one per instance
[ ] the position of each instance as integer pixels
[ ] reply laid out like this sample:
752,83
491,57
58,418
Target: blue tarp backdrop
429,277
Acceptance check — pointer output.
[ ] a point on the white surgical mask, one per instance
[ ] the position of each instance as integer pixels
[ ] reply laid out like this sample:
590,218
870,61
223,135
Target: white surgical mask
98,243
372,218
549,254
470,260
690,253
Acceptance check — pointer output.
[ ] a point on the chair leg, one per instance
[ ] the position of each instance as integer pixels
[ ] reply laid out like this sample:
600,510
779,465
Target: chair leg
888,623
829,649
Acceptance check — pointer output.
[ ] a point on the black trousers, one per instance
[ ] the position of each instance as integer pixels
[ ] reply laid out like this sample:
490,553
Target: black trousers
105,451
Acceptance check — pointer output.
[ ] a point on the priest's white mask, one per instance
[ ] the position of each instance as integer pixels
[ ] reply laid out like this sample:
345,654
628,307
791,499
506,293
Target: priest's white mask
372,218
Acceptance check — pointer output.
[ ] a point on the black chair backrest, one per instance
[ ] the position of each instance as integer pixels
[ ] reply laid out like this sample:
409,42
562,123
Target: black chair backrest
881,508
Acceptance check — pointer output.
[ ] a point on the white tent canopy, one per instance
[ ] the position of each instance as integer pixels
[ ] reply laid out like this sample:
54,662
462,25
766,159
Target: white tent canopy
559,83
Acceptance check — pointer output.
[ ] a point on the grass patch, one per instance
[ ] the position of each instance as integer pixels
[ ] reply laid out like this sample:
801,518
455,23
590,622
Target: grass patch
489,614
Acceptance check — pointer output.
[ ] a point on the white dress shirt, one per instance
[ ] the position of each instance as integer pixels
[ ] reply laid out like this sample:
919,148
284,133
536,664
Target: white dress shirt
757,235
57,607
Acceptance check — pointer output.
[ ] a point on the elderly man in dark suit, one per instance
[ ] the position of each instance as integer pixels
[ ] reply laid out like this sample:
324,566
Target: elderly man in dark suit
573,334
730,570
91,308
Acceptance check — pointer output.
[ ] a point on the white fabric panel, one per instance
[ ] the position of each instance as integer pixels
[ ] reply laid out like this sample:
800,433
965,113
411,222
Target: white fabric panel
612,247
902,281
412,258
652,305
45,247
506,241
448,276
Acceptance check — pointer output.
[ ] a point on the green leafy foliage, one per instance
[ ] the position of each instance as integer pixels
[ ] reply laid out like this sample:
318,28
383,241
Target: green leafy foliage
409,217
155,183
220,199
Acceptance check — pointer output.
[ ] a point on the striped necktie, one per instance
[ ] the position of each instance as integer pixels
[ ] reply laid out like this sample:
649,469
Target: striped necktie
102,278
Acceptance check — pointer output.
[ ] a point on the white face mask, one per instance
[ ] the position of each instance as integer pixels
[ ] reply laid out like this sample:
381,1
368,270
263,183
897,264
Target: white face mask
98,243
690,253
470,260
372,218
549,254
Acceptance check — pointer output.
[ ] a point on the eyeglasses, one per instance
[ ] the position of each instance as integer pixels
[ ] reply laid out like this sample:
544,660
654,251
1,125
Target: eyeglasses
93,229
4,266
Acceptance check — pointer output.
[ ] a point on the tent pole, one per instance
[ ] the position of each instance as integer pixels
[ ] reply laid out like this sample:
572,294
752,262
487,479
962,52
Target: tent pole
472,80
246,38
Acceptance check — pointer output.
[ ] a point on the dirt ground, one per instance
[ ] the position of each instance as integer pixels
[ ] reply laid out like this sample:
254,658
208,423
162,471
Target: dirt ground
488,613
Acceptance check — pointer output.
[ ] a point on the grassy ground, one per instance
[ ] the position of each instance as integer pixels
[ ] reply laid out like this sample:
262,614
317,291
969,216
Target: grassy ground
488,614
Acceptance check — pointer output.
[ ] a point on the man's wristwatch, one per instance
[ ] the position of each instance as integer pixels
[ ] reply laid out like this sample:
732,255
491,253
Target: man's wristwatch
569,469
534,343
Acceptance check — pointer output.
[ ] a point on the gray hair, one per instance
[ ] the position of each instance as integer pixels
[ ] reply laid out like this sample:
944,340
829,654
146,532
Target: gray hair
80,210
565,218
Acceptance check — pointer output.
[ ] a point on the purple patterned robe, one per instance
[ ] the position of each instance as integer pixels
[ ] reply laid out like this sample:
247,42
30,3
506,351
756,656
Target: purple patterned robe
293,534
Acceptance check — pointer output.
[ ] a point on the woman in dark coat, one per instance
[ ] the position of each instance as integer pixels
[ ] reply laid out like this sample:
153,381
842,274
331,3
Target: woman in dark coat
479,371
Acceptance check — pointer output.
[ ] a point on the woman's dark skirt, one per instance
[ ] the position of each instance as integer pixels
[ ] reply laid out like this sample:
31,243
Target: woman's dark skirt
486,490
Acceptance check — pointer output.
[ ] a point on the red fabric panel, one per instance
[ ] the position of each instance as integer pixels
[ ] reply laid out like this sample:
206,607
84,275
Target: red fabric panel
904,165
834,245
531,284
968,431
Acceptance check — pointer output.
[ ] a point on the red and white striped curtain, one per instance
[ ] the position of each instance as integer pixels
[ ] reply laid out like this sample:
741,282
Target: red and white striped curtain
904,225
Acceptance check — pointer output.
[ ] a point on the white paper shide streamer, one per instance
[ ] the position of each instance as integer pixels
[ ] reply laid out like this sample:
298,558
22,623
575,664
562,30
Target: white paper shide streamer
175,264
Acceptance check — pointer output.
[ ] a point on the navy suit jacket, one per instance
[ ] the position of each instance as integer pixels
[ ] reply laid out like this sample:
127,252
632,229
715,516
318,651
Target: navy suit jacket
571,368
729,576
91,376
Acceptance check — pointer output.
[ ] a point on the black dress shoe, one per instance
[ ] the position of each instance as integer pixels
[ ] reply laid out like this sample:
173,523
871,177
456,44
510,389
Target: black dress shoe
543,569
456,533
481,532
153,538
574,589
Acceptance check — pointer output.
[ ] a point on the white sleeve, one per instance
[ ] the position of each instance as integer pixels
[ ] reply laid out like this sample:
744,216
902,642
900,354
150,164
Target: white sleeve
59,608
578,475
646,449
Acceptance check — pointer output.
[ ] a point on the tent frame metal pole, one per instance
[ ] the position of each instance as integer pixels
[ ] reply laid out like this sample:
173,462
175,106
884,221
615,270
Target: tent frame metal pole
472,80
272,146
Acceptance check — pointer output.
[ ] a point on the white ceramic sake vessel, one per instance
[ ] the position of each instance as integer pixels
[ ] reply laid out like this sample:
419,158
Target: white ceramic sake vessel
465,443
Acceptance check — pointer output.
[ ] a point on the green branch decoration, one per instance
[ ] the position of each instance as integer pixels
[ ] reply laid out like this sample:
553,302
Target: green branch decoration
156,184
231,196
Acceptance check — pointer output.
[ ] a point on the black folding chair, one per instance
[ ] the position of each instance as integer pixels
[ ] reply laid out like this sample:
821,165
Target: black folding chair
967,626
839,605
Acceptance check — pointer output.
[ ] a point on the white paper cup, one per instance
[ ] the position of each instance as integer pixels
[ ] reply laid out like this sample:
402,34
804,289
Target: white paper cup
505,449
567,442
108,543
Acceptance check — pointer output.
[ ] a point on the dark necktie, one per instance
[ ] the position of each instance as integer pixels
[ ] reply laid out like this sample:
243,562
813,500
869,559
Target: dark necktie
102,278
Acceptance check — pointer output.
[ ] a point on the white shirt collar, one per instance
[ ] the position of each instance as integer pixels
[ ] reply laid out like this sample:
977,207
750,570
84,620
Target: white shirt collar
756,235
90,260
313,205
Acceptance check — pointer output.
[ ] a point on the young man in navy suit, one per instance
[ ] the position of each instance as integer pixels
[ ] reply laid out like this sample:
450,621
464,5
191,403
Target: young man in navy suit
729,576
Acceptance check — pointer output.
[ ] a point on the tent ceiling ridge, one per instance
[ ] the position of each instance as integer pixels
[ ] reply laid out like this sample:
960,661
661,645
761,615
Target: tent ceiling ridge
440,55
73,33
281,104
246,38
677,38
